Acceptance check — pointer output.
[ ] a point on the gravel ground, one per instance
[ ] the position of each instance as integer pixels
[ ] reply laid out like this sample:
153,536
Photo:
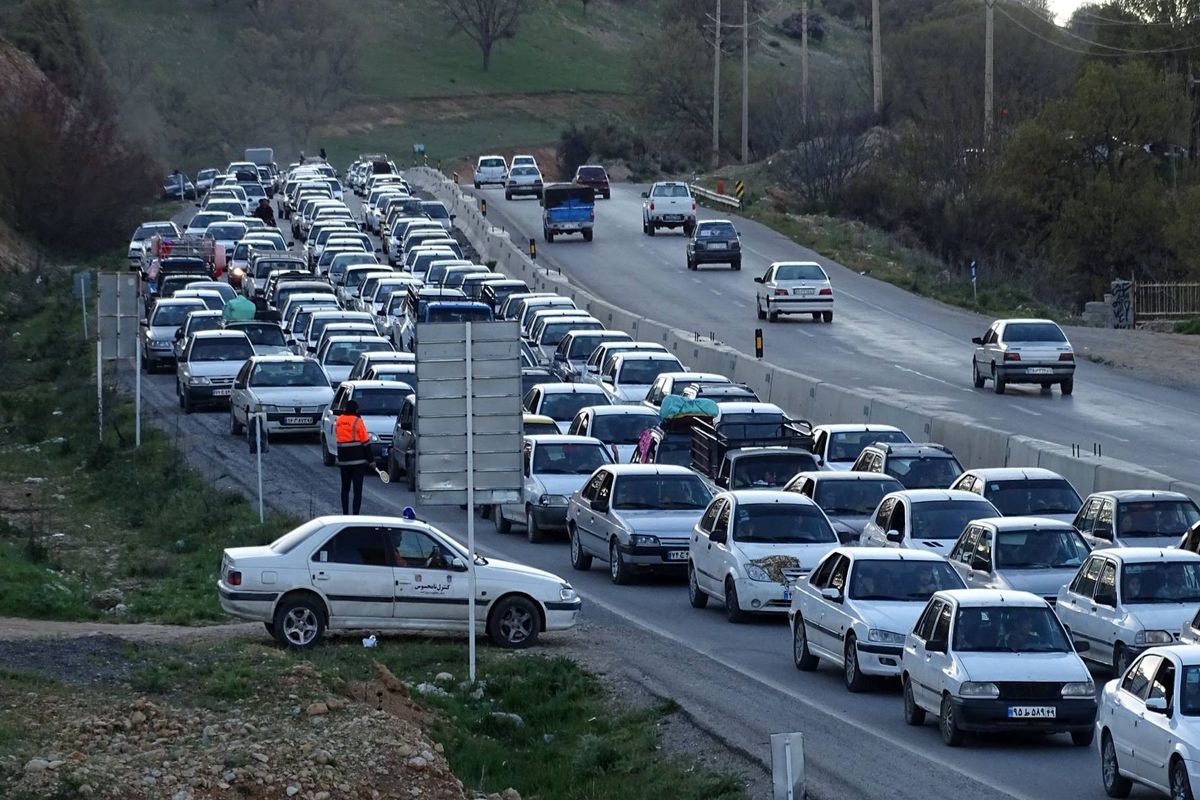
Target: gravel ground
1170,359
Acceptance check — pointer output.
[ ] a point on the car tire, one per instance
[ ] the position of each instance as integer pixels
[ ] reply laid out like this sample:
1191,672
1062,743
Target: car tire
828,317
1115,784
692,265
976,378
608,195
998,383
697,598
688,229
579,559
736,266
548,235
855,680
758,310
235,428
952,735
514,623
270,628
1068,386
326,458
802,657
476,184
508,195
1181,787
393,469
299,623
816,316
587,235
1121,660
1083,738
502,525
185,402
733,608
913,714
772,316
618,572
652,229
485,512
532,532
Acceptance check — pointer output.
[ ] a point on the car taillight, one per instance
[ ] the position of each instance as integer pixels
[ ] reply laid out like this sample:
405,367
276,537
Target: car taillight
1066,356
781,292
235,579
1012,356
693,205
826,292
652,206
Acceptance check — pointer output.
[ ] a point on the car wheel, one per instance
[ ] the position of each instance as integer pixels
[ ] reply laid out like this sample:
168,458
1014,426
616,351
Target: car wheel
1121,660
299,623
952,735
235,428
998,383
185,402
772,316
502,525
736,266
326,457
1115,784
645,230
514,623
802,657
579,559
608,195
697,598
653,229
691,264
1067,386
508,195
485,512
976,378
816,316
617,571
549,235
688,229
828,315
733,608
587,235
855,680
393,469
270,627
532,531
1181,787
410,472
1083,738
913,713
758,310
476,184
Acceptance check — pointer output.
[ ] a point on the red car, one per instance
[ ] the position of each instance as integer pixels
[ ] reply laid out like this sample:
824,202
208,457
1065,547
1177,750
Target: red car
595,177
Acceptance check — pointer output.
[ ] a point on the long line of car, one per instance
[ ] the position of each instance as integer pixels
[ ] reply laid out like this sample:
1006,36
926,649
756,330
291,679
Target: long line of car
982,591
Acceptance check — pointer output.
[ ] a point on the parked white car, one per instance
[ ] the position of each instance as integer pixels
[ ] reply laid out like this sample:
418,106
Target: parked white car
794,287
554,468
1149,724
342,573
490,169
838,446
924,518
983,660
750,548
1032,554
1023,491
1124,600
857,606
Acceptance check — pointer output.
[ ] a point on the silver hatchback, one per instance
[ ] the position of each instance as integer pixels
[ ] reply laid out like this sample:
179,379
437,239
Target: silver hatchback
1024,351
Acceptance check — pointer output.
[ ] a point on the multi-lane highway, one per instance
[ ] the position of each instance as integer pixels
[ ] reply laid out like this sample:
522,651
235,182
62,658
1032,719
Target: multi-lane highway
883,342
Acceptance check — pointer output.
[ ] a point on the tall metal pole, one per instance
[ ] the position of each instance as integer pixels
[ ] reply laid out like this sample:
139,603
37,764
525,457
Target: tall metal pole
137,397
876,60
470,512
716,121
745,81
804,61
260,420
988,72
99,387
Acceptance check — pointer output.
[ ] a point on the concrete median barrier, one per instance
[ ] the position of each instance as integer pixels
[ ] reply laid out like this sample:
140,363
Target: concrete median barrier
973,445
835,404
1122,475
793,391
1080,471
1190,489
1023,451
916,424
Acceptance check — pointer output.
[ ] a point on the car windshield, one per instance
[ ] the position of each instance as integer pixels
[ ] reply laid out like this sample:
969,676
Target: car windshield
207,322
345,354
563,406
672,190
923,472
592,173
223,349
895,580
803,272
268,335
568,458
402,373
1156,518
716,230
1161,582
146,231
1033,332
856,498
1033,497
621,428
553,332
945,519
203,220
383,402
770,471
582,346
1060,548
321,323
640,371
1009,629
491,162
781,523
278,374
227,230
459,314
656,492
172,314
435,211
845,447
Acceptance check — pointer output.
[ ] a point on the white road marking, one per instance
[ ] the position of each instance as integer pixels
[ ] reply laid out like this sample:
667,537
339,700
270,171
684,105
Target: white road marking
931,378
1029,411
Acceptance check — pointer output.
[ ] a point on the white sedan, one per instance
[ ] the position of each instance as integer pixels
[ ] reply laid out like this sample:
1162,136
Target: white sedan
1149,724
341,573
794,287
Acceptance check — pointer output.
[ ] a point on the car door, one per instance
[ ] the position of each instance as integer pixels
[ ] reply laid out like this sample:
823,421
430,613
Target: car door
530,488
598,514
1154,735
714,527
831,617
978,574
938,659
918,657
701,542
1103,533
1085,519
353,570
1105,613
1075,604
239,397
963,551
721,558
1127,710
985,355
329,417
430,590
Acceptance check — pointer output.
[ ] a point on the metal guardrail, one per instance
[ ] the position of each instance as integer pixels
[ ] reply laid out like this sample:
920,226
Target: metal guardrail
713,197
1166,301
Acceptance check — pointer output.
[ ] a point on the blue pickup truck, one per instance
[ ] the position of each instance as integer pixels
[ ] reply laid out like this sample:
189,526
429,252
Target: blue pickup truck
568,208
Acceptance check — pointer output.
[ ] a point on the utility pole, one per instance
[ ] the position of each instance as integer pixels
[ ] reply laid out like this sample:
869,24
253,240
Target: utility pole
876,60
804,61
988,72
716,142
745,81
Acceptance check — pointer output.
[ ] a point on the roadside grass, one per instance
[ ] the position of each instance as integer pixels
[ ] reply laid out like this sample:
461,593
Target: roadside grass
80,515
1189,326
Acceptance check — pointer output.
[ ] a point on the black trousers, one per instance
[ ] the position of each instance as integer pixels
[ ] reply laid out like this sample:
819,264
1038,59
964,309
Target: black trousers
352,477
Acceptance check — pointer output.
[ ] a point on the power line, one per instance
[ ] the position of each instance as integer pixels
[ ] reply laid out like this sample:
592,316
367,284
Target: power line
1103,20
1118,52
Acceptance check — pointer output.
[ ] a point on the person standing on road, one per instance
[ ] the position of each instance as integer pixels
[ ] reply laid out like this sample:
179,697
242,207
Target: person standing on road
265,213
352,454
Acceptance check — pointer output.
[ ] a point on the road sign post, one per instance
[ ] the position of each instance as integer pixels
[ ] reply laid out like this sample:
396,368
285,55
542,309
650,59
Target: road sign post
758,343
974,285
739,189
117,314
787,766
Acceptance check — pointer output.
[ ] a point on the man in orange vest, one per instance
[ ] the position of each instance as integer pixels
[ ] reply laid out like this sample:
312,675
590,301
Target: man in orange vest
353,454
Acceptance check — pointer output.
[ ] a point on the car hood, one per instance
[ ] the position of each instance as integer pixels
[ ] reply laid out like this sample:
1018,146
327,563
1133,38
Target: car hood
338,373
1042,582
677,523
898,617
561,484
1059,667
807,555
499,570
162,331
215,369
379,424
629,392
1161,616
294,395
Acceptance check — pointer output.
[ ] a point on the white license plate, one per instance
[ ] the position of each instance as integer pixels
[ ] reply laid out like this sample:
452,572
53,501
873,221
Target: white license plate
297,420
803,292
672,217
677,555
1032,712
1039,371
718,246
221,392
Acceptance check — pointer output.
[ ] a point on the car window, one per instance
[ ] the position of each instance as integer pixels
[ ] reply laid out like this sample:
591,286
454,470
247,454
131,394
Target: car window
885,512
965,547
925,622
355,545
412,549
838,577
1104,520
1162,686
1033,332
1139,676
982,558
710,516
1106,586
941,627
820,576
1085,582
801,272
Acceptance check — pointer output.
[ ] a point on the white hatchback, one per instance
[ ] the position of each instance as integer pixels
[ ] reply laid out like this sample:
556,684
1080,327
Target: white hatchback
490,169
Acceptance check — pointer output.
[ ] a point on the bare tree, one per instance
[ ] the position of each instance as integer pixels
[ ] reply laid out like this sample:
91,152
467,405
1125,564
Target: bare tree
486,22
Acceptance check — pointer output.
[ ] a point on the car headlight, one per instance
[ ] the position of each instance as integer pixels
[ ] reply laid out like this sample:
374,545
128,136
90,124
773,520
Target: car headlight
643,540
552,500
1153,637
567,594
1080,689
239,271
373,437
199,380
978,689
887,637
756,573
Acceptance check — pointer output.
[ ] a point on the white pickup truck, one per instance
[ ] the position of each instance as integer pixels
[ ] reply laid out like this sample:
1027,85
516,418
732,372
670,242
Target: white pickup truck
668,204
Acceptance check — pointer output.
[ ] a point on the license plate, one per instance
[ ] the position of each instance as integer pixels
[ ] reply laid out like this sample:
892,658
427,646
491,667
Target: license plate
221,392
677,555
1032,712
803,292
672,217
297,420
718,246
1039,370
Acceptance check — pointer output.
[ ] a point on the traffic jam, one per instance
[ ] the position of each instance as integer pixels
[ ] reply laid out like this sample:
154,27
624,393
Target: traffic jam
991,600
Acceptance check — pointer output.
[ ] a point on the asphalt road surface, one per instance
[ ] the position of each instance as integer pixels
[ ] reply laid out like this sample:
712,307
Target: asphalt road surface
883,341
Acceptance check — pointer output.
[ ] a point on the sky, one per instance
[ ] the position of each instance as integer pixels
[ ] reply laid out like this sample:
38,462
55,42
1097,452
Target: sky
1063,8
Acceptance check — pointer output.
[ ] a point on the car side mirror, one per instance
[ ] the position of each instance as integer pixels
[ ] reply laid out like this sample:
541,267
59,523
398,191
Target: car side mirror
1082,647
937,645
1156,704
895,536
976,340
197,205
758,279
145,323
291,244
831,593
458,565
454,216
645,194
